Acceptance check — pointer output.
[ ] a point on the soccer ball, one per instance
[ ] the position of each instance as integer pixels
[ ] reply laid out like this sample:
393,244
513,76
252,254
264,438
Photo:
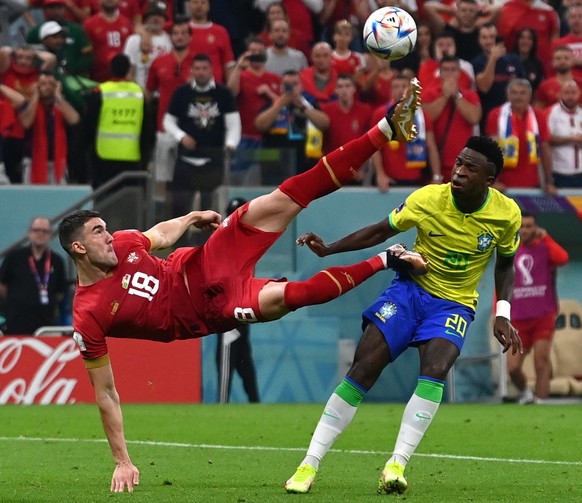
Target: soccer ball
390,33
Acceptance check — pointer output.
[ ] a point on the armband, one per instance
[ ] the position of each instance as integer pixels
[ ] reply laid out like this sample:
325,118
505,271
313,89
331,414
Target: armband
503,308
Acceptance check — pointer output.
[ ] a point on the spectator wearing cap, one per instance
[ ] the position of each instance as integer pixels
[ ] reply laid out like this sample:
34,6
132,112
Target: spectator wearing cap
108,31
143,48
74,51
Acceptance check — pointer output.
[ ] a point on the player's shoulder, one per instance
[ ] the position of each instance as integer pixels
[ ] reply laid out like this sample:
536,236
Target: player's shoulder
431,193
504,205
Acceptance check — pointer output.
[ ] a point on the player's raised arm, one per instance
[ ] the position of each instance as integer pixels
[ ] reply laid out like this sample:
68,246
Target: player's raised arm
125,473
166,233
366,237
503,330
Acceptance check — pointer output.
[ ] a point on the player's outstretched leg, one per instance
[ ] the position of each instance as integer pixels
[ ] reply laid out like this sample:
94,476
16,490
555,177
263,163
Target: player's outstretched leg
340,166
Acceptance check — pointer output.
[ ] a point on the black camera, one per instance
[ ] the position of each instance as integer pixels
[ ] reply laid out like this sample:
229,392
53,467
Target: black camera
288,87
260,57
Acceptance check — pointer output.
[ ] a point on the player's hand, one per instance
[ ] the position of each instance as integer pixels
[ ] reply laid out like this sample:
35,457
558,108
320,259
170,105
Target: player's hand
207,220
507,335
124,475
314,242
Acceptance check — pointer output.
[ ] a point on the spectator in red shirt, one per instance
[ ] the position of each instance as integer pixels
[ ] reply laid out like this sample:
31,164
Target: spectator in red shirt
19,70
445,45
534,14
212,39
548,91
167,73
108,31
343,59
348,116
48,113
252,86
318,80
522,134
455,112
574,38
403,164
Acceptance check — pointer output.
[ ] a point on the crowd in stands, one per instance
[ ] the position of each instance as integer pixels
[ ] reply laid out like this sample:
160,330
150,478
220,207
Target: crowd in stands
92,87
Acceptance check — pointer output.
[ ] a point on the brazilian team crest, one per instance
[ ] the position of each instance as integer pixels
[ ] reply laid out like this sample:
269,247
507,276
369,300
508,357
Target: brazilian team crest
484,241
386,311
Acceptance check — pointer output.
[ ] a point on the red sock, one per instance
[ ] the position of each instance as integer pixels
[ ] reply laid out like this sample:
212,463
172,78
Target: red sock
330,283
333,170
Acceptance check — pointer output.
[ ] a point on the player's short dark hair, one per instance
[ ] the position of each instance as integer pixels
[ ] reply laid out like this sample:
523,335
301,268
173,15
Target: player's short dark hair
489,148
234,204
525,213
70,227
120,65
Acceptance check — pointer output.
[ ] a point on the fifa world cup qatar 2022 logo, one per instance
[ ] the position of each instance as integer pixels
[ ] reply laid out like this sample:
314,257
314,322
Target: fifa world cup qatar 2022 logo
33,370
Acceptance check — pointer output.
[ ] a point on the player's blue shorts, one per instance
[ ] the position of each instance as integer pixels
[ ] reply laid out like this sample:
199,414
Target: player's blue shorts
407,315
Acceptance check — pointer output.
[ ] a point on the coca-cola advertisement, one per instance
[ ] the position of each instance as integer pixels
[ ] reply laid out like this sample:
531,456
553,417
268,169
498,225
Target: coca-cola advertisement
49,370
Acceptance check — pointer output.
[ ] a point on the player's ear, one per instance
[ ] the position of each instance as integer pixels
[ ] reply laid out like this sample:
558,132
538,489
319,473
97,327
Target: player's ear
77,247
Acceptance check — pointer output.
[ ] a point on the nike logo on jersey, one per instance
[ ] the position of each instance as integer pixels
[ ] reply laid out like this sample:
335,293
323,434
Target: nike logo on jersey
433,234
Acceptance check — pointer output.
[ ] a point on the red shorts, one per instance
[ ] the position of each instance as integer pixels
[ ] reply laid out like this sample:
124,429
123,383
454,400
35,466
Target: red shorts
220,274
535,329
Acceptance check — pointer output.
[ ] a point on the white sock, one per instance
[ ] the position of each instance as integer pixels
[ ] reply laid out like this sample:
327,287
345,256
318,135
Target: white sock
336,417
416,419
385,128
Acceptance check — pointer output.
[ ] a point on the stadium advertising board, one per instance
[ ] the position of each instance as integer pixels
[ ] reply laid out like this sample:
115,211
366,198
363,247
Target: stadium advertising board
49,370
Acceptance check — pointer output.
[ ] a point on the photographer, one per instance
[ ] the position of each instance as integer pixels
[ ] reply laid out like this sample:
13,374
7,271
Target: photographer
284,122
252,86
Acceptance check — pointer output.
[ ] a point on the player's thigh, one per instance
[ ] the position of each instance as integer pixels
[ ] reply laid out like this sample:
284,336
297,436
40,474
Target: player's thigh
272,301
437,356
272,212
370,358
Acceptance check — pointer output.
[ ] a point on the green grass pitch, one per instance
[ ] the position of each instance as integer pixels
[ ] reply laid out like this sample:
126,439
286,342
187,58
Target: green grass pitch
243,453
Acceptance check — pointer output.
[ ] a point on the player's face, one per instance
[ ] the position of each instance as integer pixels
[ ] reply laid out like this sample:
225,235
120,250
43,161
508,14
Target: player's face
98,243
471,175
528,229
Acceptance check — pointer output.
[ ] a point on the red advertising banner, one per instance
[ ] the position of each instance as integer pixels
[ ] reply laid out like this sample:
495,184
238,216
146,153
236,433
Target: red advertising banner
49,370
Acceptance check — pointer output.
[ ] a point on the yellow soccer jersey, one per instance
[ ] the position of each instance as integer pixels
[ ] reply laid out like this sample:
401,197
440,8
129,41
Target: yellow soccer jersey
457,245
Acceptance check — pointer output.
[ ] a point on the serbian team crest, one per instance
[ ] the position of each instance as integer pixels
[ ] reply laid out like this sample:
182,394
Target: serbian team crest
386,312
132,257
484,241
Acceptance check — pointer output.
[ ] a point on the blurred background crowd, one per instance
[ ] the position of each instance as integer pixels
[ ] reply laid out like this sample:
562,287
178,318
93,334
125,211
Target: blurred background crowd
206,92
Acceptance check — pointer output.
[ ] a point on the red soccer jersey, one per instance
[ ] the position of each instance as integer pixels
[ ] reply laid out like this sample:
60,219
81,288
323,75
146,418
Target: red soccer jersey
22,81
344,125
165,76
350,64
146,297
536,15
250,102
133,302
394,154
214,41
457,133
108,39
525,174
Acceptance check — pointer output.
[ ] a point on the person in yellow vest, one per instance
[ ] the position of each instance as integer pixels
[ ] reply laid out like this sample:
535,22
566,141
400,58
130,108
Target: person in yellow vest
116,124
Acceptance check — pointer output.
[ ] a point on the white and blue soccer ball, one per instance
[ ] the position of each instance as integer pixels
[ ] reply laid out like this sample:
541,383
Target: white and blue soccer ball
390,33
